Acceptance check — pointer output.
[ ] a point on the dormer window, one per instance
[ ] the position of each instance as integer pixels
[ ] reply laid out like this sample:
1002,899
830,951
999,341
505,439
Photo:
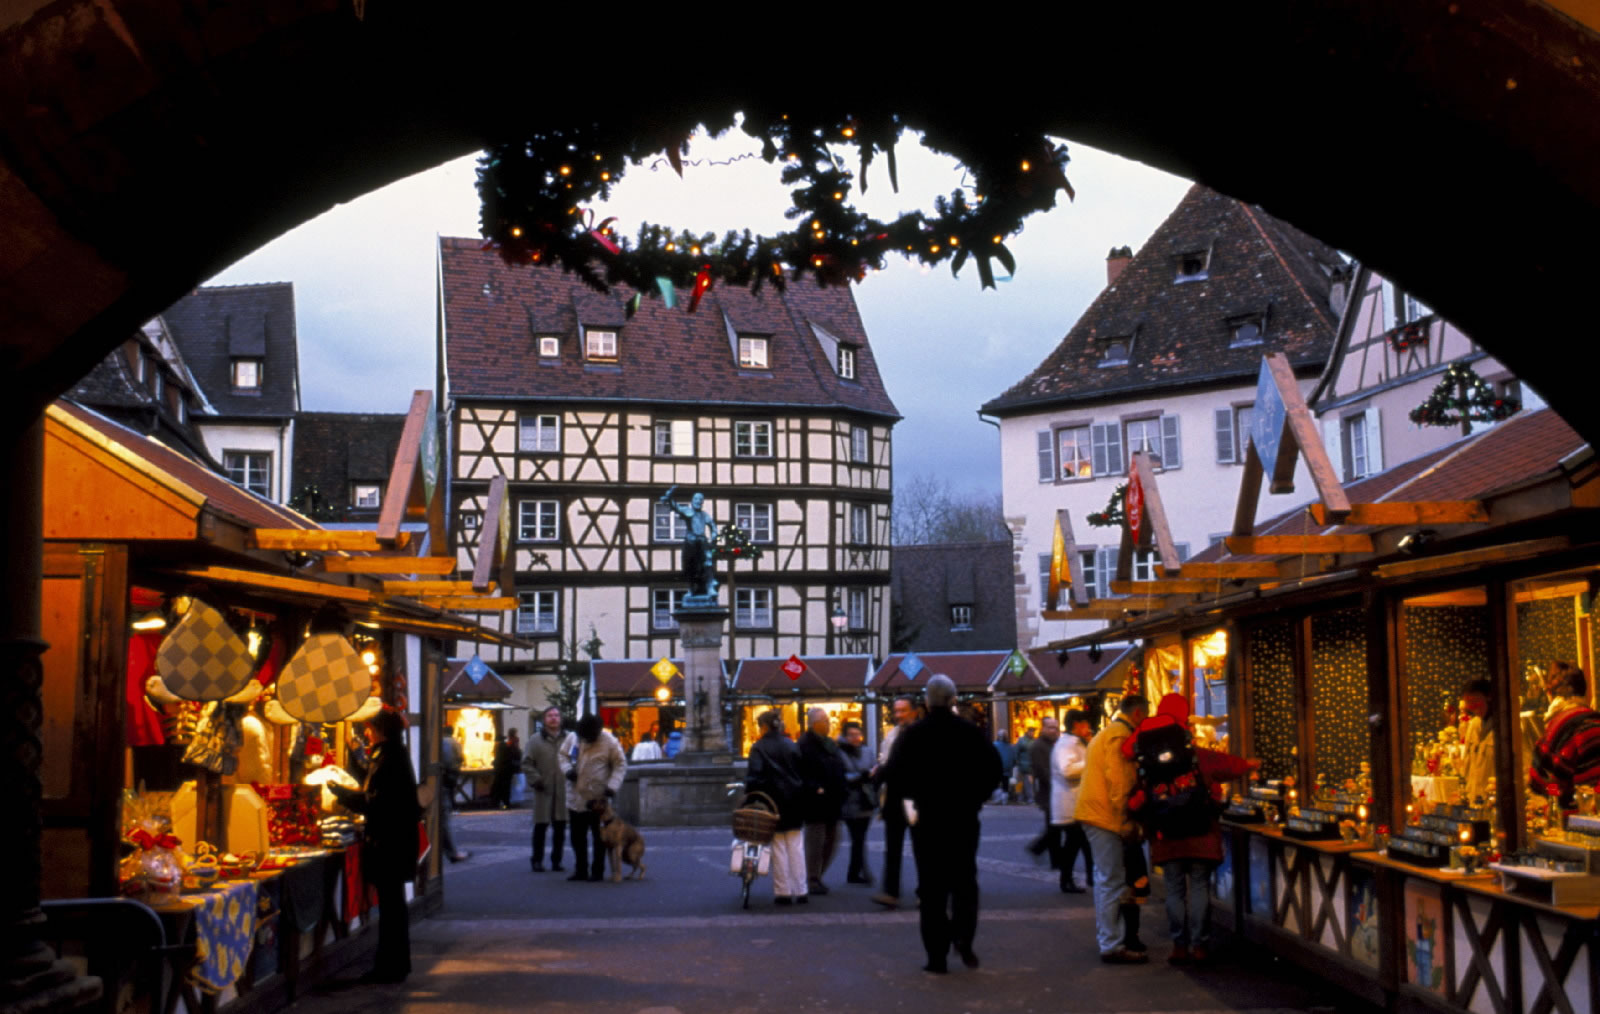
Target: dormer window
847,363
367,496
600,346
753,353
247,374
1246,332
1193,266
550,346
1114,351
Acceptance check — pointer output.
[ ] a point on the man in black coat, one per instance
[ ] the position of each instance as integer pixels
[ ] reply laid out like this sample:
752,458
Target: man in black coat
945,767
823,768
388,800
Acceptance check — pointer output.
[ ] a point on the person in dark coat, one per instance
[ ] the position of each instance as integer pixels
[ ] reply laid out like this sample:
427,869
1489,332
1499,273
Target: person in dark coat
946,768
774,768
507,762
388,801
860,799
822,767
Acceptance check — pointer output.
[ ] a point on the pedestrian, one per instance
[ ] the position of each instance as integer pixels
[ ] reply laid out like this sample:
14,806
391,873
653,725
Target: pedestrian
647,749
391,839
822,770
449,782
507,762
1025,763
673,745
946,769
1185,839
860,799
774,768
1067,761
894,816
1108,781
1039,765
1008,760
593,765
542,764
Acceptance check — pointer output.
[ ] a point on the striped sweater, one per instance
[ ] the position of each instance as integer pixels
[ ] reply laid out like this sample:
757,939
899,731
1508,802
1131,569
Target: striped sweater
1568,755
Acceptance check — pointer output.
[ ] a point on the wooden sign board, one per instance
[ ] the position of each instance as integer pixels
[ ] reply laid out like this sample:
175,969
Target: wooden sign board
414,490
1156,512
1281,432
496,555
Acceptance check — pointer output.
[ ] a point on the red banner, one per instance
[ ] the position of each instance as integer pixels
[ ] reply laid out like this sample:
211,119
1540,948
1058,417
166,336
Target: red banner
1135,508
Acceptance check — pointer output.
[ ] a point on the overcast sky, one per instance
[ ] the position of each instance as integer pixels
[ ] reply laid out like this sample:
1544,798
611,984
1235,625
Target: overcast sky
363,275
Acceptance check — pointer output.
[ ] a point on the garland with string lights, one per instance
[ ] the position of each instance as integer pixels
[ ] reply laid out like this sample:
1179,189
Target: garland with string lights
535,193
1463,397
733,543
1116,512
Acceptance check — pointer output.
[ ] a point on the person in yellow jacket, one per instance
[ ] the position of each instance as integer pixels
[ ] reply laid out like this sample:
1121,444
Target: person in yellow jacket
1108,780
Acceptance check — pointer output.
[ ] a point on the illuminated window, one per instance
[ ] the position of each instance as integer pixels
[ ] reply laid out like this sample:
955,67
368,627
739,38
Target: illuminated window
753,353
600,346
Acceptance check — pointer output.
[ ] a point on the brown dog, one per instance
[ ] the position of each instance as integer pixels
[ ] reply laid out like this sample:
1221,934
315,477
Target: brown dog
621,839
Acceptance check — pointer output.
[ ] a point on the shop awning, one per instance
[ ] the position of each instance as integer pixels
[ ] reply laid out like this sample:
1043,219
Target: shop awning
1073,671
629,679
471,679
835,675
972,671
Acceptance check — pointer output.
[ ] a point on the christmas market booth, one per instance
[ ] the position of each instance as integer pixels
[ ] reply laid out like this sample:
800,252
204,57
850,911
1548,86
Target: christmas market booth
634,696
476,713
983,679
211,655
835,683
1089,679
1410,656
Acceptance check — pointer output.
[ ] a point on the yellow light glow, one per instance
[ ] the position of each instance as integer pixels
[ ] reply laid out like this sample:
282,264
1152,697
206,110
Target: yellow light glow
934,248
955,241
997,239
816,262
566,170
597,157
606,177
695,251
816,223
849,132
663,694
369,656
838,195
151,621
1026,165
671,247
516,230
1466,835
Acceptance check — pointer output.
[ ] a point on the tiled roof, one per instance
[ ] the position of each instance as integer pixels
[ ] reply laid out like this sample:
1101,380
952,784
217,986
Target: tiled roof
493,311
1524,447
927,580
1182,331
460,686
838,674
972,671
332,450
1076,672
110,384
213,325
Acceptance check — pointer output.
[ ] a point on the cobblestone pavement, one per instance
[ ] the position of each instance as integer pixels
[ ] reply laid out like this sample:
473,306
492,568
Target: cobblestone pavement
677,941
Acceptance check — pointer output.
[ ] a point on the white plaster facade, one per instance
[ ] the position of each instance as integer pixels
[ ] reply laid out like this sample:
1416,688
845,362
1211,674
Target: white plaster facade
275,438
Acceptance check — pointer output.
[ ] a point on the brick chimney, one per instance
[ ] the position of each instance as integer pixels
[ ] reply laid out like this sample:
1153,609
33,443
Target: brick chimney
1116,260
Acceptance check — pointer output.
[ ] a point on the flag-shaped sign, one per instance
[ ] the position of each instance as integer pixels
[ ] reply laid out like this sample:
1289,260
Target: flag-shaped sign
794,667
477,669
1135,508
912,666
664,670
1016,664
1060,573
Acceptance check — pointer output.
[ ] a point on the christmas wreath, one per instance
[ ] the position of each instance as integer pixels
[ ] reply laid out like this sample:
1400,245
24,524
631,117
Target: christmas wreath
535,193
733,543
1116,510
1408,336
1463,396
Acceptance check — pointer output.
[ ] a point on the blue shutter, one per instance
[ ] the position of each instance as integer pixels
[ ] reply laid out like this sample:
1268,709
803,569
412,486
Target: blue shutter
1225,438
1171,446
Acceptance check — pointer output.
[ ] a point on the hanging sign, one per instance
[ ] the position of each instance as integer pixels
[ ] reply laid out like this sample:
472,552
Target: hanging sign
1016,663
794,667
1060,573
202,659
1135,508
912,666
326,681
664,670
476,669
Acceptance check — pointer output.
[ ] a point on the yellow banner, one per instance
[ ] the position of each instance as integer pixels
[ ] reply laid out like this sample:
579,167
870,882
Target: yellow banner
1060,572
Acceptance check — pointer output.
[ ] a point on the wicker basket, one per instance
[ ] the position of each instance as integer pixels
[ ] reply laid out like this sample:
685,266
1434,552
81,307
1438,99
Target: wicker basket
756,819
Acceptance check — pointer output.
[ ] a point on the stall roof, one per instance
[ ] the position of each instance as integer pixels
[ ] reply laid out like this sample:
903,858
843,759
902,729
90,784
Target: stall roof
832,674
631,678
471,679
1072,670
972,671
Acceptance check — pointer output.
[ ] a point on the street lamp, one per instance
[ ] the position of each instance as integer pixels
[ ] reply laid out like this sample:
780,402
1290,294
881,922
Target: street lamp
838,619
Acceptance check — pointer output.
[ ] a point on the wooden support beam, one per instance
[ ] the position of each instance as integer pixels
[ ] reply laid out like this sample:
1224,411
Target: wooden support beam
494,538
1475,557
1169,586
1108,609
1440,512
1329,490
388,563
1228,571
1297,545
1155,512
269,583
1244,509
430,589
318,540
471,603
413,478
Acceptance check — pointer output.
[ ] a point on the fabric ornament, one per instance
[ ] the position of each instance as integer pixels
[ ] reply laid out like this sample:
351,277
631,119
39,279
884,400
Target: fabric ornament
202,659
217,738
325,681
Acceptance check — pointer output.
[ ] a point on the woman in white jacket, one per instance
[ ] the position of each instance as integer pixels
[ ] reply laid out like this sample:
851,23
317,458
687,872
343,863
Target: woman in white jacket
1067,760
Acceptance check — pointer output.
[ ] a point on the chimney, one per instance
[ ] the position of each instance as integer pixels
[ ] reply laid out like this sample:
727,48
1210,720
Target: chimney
1116,260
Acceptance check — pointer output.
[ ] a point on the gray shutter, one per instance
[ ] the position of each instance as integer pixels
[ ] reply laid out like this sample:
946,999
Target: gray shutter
1225,439
1047,464
1171,446
1374,442
1108,570
1333,443
1106,441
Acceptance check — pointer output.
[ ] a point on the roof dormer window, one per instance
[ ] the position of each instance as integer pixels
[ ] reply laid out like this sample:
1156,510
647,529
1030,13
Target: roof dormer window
753,352
1246,331
600,346
1193,266
549,346
847,362
1114,351
247,375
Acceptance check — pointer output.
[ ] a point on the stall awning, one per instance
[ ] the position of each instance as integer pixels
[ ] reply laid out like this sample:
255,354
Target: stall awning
1073,672
836,675
471,679
630,679
972,671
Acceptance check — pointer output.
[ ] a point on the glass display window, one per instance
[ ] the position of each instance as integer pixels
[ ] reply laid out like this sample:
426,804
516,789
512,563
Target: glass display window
1163,669
1337,696
1269,664
1208,688
1446,699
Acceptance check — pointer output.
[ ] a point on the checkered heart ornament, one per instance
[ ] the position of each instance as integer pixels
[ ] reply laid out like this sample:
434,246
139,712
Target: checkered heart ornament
325,682
202,659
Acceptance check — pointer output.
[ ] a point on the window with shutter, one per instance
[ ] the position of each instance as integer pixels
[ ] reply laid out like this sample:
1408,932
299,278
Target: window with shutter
1225,438
1107,441
1047,465
1106,570
1171,445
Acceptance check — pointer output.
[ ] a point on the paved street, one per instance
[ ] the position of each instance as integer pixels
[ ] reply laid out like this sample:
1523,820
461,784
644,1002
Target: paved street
677,941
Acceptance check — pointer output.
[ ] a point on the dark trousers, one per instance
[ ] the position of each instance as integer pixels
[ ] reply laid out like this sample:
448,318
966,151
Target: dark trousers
857,827
447,806
946,852
894,844
822,840
586,825
394,931
1067,842
560,839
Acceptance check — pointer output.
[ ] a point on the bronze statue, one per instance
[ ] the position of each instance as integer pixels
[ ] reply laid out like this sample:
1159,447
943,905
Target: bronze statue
699,547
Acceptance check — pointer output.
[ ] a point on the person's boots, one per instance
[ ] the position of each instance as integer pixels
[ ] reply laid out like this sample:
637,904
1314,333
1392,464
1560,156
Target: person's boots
1130,936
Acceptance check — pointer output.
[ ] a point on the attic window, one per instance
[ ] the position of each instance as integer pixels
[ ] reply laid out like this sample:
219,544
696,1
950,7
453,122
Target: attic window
247,374
600,346
549,346
1246,332
1114,351
847,363
1193,266
753,353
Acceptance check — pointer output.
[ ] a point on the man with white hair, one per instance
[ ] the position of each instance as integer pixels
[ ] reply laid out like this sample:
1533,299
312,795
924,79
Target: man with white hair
945,769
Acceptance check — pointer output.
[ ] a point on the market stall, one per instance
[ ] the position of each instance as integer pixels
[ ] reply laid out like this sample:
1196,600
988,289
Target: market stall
475,710
982,679
1090,679
835,683
632,699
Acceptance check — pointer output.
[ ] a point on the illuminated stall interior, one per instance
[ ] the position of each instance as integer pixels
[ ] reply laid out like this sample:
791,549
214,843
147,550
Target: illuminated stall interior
631,698
835,683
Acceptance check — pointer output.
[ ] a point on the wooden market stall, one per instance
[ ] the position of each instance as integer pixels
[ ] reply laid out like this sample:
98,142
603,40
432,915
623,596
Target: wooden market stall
475,710
983,679
1090,679
184,702
1393,674
631,699
835,683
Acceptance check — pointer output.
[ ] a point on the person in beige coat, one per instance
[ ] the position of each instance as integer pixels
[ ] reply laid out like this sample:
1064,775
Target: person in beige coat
594,765
541,762
1108,780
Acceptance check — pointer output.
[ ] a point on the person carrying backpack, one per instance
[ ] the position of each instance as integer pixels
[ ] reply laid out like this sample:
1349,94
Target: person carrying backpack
1177,800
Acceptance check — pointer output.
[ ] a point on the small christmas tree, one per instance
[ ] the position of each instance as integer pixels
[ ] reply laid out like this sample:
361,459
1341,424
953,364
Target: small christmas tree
1461,399
733,543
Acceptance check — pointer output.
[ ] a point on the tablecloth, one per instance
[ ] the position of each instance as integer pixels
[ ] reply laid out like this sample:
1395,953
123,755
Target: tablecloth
225,923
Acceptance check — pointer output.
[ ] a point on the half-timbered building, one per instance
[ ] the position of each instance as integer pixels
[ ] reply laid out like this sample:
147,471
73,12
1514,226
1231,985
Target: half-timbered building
771,405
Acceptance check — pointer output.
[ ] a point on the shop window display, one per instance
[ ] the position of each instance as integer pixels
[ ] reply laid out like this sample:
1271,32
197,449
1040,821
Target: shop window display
1208,700
1273,712
1338,695
1446,658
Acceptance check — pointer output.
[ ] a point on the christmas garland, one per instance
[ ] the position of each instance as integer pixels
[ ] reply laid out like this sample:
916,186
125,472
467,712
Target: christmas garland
733,543
1460,397
534,194
1408,335
1116,510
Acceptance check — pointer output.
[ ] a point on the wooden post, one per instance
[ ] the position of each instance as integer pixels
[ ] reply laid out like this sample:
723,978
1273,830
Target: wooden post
1509,765
1383,700
1302,703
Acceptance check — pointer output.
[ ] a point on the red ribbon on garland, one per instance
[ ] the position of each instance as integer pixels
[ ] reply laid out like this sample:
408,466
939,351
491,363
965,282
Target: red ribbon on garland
702,285
598,232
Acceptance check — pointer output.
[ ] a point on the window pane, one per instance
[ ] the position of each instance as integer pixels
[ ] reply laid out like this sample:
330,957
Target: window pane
600,344
753,353
1047,462
667,525
858,443
847,363
858,609
1076,453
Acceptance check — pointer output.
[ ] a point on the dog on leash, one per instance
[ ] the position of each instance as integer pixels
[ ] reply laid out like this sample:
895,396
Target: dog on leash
621,839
